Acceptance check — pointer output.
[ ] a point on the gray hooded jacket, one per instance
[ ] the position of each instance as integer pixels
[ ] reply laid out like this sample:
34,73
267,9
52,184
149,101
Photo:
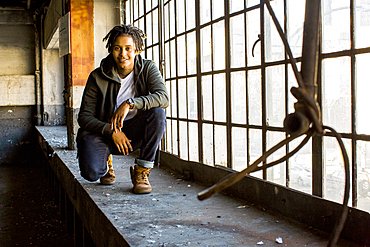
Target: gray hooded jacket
100,94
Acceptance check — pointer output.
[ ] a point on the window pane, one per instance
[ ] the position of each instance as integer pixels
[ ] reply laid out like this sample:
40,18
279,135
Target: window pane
275,95
168,109
277,173
136,9
362,94
336,26
136,24
300,166
274,47
149,40
141,23
253,30
362,23
296,14
128,13
336,110
239,148
148,5
149,54
219,46
169,136
208,144
191,53
207,97
254,97
168,61
363,175
182,98
175,140
217,9
183,140
181,58
205,13
292,82
238,98
236,5
334,177
166,22
190,14
154,3
173,98
156,55
255,148
192,98
220,94
193,142
251,3
172,18
155,26
180,16
220,145
173,58
237,40
205,50
141,7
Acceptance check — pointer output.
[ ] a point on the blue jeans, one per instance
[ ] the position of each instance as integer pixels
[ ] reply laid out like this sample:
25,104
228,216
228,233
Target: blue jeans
145,131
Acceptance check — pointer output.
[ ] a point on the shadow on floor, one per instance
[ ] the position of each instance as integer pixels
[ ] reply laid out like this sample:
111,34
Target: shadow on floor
28,216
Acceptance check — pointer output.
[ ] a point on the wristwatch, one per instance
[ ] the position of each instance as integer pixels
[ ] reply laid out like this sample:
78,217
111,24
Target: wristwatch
130,102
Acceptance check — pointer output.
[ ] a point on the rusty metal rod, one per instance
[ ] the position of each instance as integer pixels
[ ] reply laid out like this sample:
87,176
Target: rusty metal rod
338,227
235,177
293,62
310,49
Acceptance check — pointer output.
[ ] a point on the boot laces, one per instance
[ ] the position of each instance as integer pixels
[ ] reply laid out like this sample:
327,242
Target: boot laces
142,175
110,168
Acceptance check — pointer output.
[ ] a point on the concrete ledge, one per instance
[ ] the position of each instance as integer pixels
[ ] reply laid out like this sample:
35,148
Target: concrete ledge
304,208
171,215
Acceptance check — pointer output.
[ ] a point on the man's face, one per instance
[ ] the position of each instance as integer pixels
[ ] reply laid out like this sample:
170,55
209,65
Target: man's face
123,52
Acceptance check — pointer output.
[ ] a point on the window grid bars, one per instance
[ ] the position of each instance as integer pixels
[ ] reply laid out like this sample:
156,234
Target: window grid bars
317,141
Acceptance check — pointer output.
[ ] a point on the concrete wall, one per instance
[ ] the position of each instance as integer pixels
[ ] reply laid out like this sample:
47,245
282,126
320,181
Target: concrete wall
52,87
17,43
17,87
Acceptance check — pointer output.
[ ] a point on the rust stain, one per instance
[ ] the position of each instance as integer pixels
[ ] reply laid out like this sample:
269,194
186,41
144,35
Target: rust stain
82,40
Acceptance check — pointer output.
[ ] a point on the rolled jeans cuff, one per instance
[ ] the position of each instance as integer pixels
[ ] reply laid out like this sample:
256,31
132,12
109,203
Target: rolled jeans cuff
144,163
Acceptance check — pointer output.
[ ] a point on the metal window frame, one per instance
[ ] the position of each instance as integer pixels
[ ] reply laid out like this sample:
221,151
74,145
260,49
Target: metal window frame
317,141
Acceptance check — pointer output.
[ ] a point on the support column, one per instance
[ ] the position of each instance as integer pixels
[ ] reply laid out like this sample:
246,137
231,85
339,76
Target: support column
80,61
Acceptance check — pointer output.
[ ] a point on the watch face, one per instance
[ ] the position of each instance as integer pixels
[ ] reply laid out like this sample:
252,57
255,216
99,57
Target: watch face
131,103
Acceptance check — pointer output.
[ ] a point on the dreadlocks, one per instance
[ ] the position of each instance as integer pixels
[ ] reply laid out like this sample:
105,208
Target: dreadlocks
137,35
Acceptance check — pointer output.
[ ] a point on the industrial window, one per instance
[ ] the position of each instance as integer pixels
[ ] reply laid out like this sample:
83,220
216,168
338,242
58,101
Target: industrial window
225,67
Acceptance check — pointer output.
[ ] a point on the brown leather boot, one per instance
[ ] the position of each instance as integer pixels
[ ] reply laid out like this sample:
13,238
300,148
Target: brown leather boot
109,178
139,178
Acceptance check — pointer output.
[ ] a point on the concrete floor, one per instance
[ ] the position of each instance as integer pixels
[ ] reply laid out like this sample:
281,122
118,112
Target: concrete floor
173,216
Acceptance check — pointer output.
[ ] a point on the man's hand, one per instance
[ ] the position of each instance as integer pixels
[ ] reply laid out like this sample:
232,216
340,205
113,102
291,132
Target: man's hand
116,123
122,142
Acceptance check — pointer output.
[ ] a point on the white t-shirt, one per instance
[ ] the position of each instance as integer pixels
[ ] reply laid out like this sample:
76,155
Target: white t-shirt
126,92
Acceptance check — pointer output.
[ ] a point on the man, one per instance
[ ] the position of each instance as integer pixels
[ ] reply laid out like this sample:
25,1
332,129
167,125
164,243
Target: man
122,110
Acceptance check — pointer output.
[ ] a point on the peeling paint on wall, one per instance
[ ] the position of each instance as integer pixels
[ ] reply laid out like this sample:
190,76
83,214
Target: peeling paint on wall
17,90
